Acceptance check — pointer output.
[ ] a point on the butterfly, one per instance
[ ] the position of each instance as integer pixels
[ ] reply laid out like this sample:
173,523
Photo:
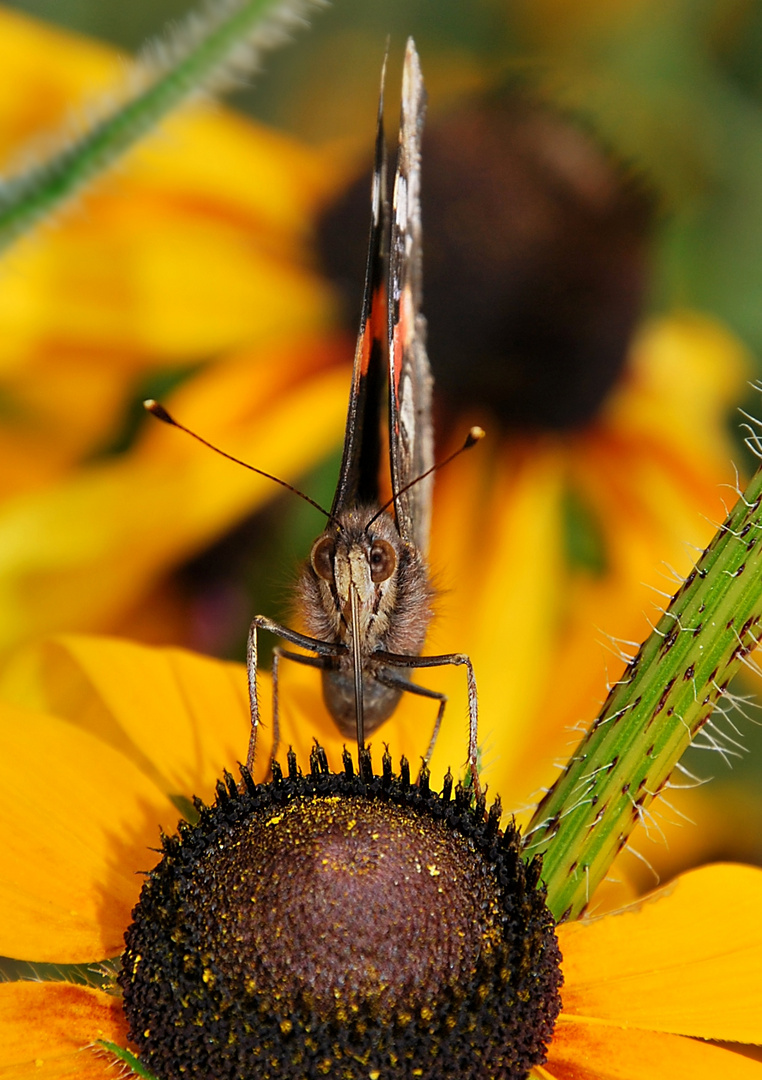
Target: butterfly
365,594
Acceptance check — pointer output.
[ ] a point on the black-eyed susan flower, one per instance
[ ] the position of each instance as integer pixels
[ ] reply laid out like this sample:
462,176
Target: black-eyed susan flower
211,981
102,740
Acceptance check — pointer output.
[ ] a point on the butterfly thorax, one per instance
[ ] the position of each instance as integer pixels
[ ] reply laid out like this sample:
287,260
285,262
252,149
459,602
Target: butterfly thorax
393,607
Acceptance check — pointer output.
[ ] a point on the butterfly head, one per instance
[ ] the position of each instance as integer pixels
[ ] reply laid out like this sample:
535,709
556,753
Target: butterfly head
350,557
388,577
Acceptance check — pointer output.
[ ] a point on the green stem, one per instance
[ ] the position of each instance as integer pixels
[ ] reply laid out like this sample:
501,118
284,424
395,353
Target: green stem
231,35
666,695
127,1058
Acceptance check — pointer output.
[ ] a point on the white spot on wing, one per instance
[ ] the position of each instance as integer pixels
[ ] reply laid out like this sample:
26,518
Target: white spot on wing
407,408
400,201
376,197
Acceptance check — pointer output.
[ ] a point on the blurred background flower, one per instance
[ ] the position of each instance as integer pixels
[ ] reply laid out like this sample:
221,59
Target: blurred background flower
593,218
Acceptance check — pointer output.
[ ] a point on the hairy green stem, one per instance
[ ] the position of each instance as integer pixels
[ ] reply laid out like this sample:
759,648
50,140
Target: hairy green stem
665,696
204,54
127,1058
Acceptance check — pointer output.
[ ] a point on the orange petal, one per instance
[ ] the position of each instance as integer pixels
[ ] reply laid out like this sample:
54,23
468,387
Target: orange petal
686,960
582,1051
46,1030
78,820
499,573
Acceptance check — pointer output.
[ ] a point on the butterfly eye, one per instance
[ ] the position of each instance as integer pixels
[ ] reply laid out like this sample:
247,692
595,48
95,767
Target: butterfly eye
383,560
321,557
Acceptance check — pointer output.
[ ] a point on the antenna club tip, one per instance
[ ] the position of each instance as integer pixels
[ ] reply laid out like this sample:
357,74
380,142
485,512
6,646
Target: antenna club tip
157,410
474,436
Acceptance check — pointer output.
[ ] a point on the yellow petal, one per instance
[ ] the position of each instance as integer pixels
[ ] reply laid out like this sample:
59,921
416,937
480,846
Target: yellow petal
686,960
78,821
46,1030
55,410
199,284
584,1051
685,371
179,717
74,69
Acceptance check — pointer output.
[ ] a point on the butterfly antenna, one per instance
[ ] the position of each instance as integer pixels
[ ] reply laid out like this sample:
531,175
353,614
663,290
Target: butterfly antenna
475,435
161,413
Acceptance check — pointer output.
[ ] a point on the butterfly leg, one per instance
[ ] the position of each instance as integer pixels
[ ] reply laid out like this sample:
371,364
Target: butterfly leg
276,702
251,670
322,648
461,660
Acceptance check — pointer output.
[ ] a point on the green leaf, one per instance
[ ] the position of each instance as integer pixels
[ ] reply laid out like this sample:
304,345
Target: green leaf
206,53
664,698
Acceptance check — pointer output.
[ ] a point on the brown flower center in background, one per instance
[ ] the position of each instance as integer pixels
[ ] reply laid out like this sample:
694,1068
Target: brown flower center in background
534,264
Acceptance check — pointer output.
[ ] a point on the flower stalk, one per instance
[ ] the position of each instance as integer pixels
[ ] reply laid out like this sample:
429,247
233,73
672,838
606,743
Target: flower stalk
206,53
133,1063
666,695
